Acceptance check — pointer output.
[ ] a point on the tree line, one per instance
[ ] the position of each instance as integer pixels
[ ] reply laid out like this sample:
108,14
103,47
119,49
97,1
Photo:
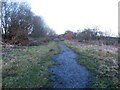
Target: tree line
18,23
93,36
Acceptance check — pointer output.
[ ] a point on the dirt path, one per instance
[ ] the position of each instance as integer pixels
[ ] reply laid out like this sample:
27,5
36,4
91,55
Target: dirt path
69,74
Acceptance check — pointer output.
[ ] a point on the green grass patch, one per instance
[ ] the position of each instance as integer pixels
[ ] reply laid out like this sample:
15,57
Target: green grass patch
89,62
28,67
105,82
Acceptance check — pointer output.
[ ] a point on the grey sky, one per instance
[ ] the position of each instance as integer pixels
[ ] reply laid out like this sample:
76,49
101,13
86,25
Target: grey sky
72,15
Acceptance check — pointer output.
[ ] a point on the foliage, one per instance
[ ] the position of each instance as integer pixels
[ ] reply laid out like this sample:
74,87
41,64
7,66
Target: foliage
16,20
19,22
95,37
89,34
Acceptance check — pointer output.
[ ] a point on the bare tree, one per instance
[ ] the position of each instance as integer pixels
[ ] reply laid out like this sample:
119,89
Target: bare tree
38,27
16,20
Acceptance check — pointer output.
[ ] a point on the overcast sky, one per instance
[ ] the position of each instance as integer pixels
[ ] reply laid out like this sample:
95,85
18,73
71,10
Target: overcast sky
62,15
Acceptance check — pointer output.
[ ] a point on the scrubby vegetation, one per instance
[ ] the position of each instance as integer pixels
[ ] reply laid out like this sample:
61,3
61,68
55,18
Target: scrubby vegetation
101,60
27,67
19,24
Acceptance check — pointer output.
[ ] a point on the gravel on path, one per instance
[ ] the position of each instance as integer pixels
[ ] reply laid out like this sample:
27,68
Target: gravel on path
69,74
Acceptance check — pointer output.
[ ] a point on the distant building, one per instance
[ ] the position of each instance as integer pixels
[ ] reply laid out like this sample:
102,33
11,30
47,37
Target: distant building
69,35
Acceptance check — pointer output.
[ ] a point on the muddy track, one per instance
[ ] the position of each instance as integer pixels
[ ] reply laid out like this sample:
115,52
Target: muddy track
69,74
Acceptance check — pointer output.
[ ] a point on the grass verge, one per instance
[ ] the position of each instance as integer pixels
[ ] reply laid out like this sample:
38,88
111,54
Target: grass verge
104,71
28,67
